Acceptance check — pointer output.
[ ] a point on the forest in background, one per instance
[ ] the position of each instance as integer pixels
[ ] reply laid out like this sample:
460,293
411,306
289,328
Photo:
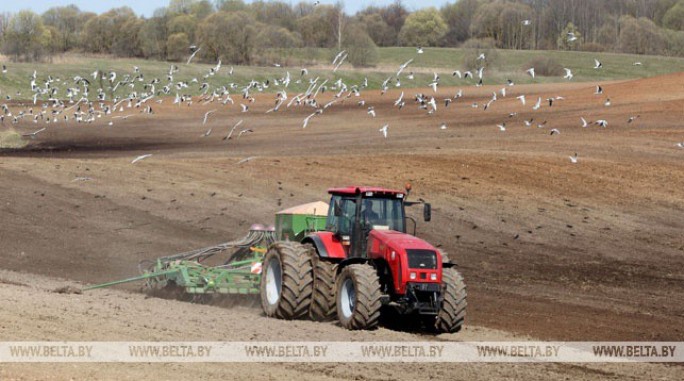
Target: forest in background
268,32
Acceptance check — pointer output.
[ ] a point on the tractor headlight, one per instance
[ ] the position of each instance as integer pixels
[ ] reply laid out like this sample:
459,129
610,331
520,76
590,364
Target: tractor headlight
412,276
433,276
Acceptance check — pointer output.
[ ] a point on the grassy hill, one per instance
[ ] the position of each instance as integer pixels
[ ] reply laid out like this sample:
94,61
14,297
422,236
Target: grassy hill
501,65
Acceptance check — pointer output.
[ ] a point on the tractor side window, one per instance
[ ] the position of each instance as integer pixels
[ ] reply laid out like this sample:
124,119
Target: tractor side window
341,221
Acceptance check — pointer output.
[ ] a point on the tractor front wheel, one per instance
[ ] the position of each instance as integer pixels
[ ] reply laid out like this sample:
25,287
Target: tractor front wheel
452,313
358,297
287,280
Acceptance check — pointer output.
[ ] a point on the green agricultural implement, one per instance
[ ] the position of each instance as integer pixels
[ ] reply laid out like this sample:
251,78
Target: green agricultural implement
197,274
191,273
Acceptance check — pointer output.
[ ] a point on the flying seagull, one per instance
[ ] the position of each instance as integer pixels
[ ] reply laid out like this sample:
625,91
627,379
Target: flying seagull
573,158
584,122
227,137
206,115
502,126
33,134
568,73
193,55
141,157
384,130
597,64
530,71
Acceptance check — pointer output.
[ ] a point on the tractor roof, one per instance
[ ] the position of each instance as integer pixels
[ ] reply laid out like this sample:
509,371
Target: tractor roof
352,190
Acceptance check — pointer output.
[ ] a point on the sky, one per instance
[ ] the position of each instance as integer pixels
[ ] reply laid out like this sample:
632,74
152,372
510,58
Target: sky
147,7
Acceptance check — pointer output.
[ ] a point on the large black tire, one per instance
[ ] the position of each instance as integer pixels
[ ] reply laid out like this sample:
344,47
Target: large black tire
287,280
358,297
323,303
452,314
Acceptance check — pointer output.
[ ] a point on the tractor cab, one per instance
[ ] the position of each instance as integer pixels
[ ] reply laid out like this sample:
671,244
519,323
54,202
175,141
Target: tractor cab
355,211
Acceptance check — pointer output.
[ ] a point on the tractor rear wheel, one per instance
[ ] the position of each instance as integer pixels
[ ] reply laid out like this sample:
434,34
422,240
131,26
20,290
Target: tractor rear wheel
358,297
323,303
287,280
453,311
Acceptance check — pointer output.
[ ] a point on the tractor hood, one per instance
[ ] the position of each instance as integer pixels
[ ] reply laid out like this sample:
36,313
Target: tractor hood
379,240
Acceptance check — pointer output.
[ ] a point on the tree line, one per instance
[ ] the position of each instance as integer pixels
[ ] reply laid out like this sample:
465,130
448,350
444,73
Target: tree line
263,32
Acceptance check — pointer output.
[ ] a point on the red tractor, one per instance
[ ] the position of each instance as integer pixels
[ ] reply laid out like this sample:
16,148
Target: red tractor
364,262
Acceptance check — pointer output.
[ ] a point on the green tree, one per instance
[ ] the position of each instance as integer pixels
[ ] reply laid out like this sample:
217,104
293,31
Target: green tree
26,37
228,35
377,29
154,34
360,47
186,24
177,47
425,27
66,25
458,16
563,41
674,18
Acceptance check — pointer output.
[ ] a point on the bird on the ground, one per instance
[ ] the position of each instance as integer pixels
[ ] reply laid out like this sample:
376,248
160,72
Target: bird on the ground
141,157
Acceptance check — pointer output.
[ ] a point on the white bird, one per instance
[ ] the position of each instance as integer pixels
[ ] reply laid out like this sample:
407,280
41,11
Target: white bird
371,111
584,122
419,50
602,122
384,130
398,101
573,158
245,108
206,116
571,37
537,105
192,56
247,159
680,144
597,64
526,22
568,73
227,137
554,132
530,71
521,98
502,126
633,118
636,63
599,90
443,126
306,120
141,157
245,131
481,57
607,102
34,133
457,73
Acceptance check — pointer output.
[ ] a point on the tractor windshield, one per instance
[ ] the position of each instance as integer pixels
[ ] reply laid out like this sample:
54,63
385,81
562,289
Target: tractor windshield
376,213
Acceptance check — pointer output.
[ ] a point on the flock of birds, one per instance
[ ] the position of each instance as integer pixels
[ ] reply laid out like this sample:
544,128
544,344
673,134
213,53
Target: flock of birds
69,101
